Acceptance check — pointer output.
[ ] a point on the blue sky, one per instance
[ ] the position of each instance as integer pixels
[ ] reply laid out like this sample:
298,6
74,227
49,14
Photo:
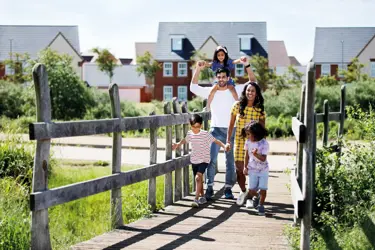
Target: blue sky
118,24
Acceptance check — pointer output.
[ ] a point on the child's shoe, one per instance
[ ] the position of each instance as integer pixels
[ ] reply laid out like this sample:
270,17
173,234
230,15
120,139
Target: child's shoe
255,202
202,200
241,198
249,203
195,203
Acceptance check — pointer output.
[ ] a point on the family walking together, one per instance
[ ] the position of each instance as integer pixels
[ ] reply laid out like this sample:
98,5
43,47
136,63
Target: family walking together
237,126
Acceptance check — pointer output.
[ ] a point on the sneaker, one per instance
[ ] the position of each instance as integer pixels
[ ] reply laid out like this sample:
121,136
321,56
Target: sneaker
195,203
255,202
228,193
249,203
261,210
209,193
202,200
241,198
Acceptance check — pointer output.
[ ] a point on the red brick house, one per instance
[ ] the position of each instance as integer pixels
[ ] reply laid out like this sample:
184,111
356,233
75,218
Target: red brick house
177,42
335,47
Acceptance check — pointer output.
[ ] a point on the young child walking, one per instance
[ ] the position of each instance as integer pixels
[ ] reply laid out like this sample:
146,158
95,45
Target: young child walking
256,164
221,60
201,141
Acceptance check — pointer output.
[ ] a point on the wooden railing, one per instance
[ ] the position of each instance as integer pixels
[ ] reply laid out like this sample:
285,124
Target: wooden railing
304,127
44,130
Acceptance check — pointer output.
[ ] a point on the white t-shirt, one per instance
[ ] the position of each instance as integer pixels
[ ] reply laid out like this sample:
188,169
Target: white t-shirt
200,146
221,104
256,165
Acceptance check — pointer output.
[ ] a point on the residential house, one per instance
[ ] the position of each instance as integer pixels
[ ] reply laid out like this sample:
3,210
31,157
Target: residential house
279,61
130,83
33,39
177,42
335,47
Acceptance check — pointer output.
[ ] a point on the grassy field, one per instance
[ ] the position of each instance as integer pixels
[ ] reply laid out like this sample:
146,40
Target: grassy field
75,221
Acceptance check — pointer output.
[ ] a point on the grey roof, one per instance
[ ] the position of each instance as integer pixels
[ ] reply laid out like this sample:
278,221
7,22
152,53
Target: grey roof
328,46
32,39
225,33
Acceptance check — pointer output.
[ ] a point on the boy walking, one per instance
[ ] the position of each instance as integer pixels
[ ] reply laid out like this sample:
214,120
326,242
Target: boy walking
201,141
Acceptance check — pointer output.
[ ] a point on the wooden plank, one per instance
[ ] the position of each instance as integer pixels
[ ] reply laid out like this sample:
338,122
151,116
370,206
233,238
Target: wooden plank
299,153
325,122
342,110
297,197
299,130
307,166
41,200
153,156
40,237
168,188
116,201
49,130
178,172
186,173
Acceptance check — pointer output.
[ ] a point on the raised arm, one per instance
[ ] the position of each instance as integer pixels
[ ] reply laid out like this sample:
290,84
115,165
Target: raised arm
198,68
249,71
194,87
239,60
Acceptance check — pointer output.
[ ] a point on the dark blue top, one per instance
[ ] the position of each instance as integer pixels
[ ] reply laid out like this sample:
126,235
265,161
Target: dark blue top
217,65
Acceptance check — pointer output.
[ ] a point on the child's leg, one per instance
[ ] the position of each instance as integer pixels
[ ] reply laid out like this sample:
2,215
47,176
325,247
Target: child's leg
263,195
211,96
253,185
232,89
199,185
263,186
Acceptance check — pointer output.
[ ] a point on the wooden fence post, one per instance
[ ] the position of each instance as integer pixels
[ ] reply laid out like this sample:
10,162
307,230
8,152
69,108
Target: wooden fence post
205,122
300,145
186,172
153,158
116,200
40,237
325,123
168,189
307,170
178,172
342,110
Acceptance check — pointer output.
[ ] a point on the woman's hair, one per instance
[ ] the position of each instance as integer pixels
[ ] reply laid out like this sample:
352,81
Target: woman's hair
256,129
223,49
258,102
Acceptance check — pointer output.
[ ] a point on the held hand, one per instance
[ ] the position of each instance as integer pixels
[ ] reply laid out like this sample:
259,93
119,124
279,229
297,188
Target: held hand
245,171
227,147
201,64
243,60
174,146
254,151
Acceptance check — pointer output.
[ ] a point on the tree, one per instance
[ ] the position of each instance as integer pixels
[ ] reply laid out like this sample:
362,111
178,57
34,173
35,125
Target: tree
70,98
294,76
106,62
354,72
327,81
263,74
279,83
18,65
147,66
206,74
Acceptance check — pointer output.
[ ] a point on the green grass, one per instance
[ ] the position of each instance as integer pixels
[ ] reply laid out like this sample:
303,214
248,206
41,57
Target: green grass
75,221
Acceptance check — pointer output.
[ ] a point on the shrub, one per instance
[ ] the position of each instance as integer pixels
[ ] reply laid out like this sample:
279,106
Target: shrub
16,100
327,81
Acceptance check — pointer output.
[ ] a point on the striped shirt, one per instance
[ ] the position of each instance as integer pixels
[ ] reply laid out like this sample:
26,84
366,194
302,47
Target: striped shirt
200,146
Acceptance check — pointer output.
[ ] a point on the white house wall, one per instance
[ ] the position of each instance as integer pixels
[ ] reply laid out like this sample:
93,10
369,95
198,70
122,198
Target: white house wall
62,46
367,54
281,70
124,76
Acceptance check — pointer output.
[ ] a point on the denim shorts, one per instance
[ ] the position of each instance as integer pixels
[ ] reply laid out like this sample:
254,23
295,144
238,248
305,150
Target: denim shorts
258,180
199,168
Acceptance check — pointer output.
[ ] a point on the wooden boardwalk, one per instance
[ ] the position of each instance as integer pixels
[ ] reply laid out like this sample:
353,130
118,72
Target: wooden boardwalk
220,224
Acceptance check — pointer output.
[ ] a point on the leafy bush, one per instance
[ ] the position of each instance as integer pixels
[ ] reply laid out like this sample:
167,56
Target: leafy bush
286,103
196,103
16,100
327,81
279,127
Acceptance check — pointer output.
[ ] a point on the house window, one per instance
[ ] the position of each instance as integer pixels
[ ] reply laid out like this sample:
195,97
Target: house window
167,69
240,71
182,93
372,74
326,70
245,42
8,70
167,93
342,67
182,69
176,42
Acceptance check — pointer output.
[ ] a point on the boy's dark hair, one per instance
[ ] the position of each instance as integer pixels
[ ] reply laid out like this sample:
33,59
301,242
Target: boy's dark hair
196,119
222,70
256,129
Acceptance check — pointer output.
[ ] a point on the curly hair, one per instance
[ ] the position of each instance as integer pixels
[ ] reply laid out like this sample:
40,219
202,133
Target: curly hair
256,129
258,102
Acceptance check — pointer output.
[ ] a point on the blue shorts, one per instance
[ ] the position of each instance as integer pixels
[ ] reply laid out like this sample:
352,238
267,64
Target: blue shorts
230,82
258,180
199,168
